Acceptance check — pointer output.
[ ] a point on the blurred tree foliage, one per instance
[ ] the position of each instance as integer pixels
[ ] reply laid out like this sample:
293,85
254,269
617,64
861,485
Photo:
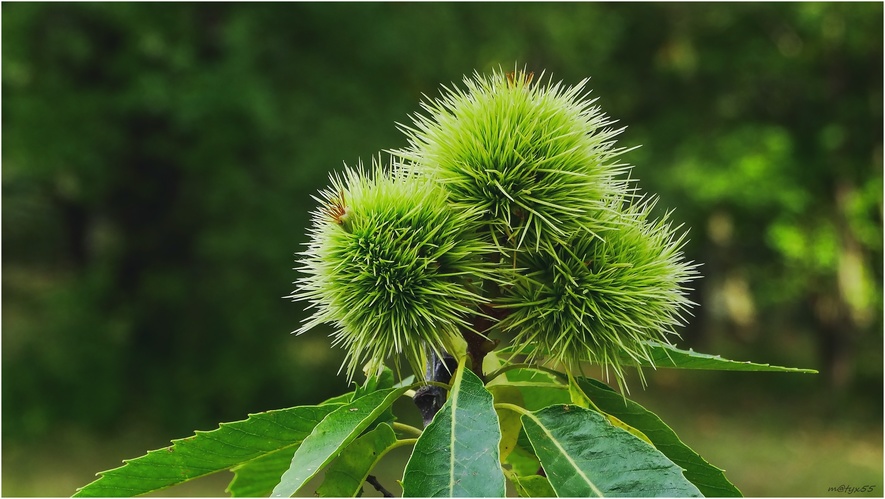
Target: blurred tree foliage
158,163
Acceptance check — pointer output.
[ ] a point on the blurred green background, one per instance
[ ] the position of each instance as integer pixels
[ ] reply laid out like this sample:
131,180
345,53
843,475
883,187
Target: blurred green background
158,162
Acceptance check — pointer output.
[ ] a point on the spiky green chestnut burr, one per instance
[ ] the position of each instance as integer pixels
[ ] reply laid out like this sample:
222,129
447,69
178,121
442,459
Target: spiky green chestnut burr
391,267
602,299
538,159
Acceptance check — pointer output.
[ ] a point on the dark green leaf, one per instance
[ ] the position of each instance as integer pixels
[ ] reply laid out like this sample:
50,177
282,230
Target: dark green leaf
346,474
671,357
709,479
581,399
261,435
332,434
457,455
584,455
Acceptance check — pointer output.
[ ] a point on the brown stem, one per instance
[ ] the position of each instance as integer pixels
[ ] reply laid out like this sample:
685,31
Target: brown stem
371,480
430,399
478,344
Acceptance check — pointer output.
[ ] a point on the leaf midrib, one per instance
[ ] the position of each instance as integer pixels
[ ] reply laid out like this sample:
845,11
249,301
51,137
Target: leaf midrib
456,391
563,453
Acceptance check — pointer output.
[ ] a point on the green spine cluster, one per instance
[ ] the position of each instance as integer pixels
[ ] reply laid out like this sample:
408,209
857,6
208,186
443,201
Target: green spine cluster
537,159
508,204
601,299
391,266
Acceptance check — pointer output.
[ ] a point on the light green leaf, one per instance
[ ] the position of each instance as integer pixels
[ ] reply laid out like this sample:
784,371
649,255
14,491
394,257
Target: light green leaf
585,456
457,455
668,356
539,389
339,399
522,460
578,397
709,479
262,435
532,486
332,434
383,380
346,474
490,363
407,381
509,421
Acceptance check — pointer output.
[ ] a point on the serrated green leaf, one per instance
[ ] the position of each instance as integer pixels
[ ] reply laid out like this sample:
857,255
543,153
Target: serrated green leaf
709,479
585,456
346,474
532,486
332,434
258,478
667,356
457,455
261,435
